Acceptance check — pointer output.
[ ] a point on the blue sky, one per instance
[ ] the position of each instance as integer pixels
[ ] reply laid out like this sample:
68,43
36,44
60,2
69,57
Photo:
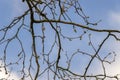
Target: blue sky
106,10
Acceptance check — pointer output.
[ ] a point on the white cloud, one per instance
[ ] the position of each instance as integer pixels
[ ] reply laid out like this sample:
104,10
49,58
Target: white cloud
114,18
12,76
114,22
113,69
7,76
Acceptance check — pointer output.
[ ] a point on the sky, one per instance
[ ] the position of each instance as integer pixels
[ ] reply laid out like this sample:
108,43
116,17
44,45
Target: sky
106,10
109,12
